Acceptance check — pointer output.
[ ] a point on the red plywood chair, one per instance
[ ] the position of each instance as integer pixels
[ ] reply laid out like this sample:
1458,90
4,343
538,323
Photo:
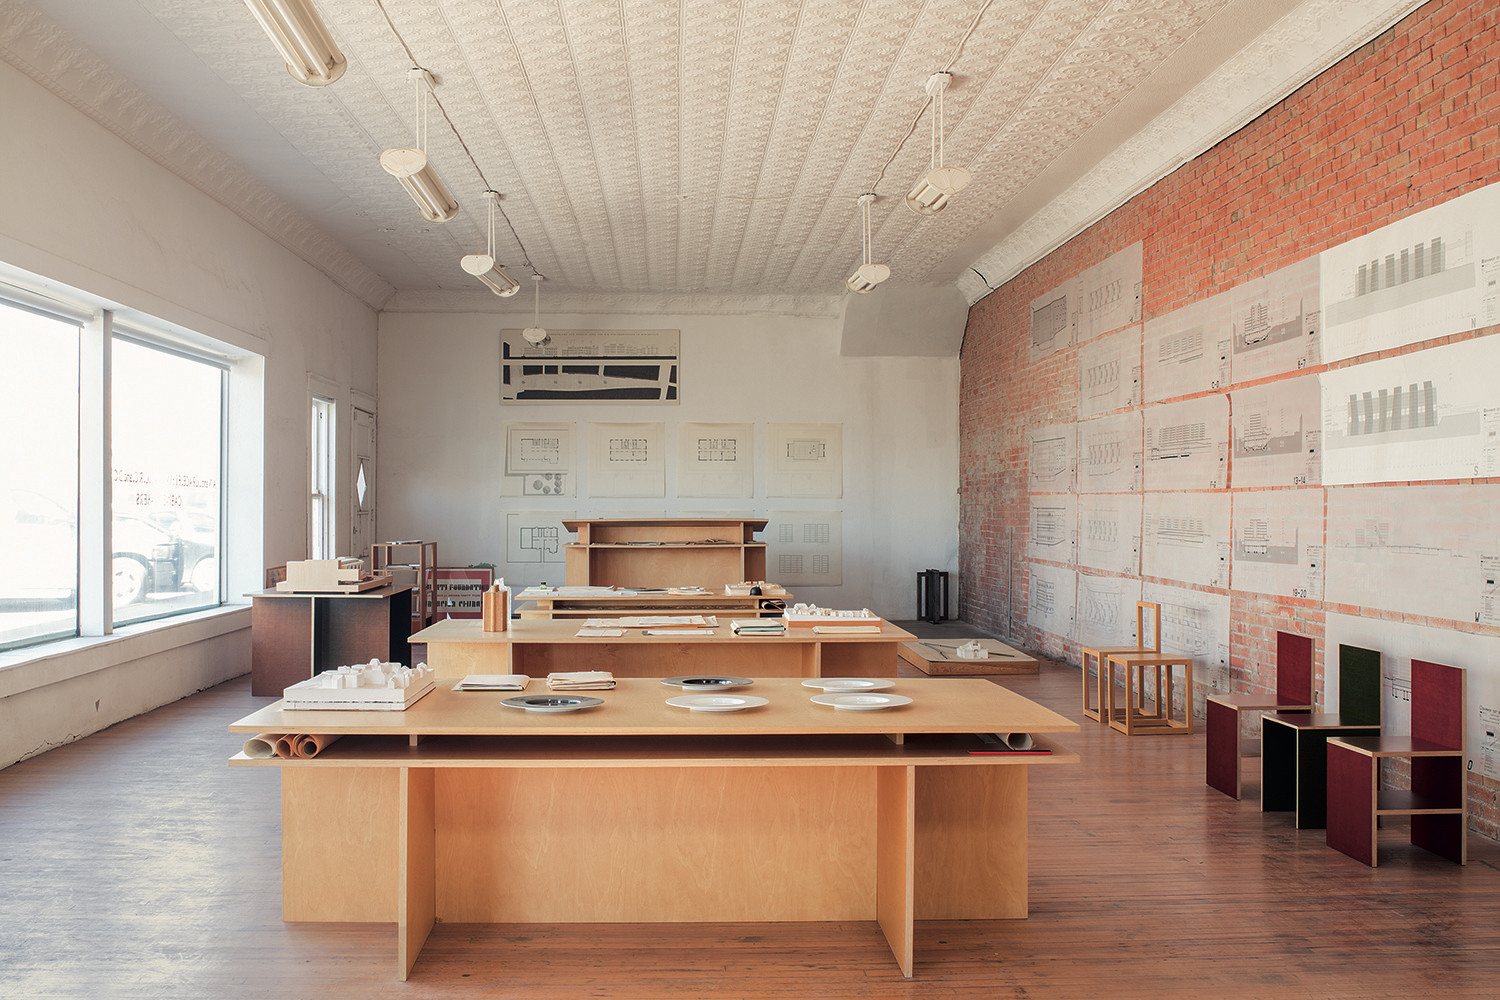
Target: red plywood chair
1294,693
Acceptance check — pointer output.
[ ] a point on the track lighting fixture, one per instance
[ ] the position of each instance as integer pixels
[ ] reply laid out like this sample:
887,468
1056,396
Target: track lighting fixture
534,333
299,34
869,275
940,183
483,266
411,167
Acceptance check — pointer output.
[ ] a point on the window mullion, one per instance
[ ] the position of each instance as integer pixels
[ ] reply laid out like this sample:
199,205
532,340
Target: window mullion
95,477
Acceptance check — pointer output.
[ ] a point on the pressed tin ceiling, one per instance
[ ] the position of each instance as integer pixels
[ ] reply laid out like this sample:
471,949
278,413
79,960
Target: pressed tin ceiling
709,147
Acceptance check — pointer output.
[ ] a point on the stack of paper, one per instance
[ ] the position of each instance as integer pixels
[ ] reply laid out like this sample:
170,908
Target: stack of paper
758,626
655,621
581,680
493,682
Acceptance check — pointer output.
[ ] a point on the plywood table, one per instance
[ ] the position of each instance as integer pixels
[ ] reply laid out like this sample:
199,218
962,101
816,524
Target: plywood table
573,602
934,657
538,647
461,810
296,635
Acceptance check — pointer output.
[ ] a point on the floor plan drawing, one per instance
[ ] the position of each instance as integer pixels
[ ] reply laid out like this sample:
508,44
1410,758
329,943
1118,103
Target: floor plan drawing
715,460
1109,372
534,541
1187,445
1052,458
1185,537
538,461
1109,532
805,460
805,548
1278,543
1109,454
627,460
1278,434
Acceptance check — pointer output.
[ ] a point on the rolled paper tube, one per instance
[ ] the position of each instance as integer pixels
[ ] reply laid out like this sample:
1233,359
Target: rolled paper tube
313,744
286,746
1018,741
262,745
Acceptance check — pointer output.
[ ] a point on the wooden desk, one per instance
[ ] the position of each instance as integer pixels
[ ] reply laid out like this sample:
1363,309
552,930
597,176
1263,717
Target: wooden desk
933,657
293,636
538,647
1294,763
639,811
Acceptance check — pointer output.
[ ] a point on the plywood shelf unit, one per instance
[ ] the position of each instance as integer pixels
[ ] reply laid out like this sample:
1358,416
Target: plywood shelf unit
655,553
417,559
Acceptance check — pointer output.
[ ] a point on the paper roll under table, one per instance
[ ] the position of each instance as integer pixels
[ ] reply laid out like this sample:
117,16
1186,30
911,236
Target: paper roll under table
312,744
262,745
286,746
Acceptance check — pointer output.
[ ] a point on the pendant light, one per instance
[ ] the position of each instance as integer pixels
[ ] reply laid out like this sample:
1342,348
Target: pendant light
534,333
299,34
940,183
411,167
483,266
869,275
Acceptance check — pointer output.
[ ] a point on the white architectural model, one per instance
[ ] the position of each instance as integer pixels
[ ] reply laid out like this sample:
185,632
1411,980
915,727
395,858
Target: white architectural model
373,686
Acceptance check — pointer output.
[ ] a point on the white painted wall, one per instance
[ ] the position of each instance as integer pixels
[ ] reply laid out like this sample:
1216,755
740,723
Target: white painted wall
85,209
441,418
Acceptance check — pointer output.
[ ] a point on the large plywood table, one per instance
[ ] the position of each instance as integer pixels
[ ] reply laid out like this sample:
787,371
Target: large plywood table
457,647
462,810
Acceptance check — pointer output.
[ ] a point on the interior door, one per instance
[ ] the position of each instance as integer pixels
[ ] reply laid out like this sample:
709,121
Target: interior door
364,482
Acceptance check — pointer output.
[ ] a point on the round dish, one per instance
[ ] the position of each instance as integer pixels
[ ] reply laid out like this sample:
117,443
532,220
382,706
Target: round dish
849,683
861,702
552,702
716,702
707,682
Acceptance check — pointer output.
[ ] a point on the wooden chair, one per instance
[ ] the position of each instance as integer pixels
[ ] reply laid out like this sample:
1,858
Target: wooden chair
1132,717
1294,693
1294,745
1094,693
1437,802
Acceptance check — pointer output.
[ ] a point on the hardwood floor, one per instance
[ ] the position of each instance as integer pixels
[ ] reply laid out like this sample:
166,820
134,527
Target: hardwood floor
135,863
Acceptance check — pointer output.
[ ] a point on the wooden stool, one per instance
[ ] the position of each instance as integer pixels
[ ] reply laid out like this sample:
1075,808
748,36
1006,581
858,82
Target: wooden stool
1094,706
1132,719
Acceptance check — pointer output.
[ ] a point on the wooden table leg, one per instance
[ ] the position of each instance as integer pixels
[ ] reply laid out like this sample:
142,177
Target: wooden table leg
895,842
417,860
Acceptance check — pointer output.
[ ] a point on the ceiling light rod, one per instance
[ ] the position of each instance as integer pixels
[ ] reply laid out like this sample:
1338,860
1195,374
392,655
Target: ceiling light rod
483,266
534,333
932,192
869,275
411,166
299,34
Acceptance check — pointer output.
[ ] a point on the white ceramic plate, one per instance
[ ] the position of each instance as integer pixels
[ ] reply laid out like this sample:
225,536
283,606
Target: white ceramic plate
552,702
707,682
849,683
716,702
861,702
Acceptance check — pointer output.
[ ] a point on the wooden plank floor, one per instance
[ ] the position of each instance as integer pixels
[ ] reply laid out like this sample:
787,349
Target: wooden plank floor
135,863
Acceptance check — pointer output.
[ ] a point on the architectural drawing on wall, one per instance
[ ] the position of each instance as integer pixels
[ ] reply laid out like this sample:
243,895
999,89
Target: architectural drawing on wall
1053,517
1109,293
1427,275
1185,537
1194,623
1398,643
627,460
1278,434
534,541
1109,454
1109,372
805,460
581,366
1051,458
1187,350
1052,320
538,461
1187,444
805,548
1049,600
1276,320
1105,611
715,460
1432,414
1423,550
1278,543
1109,532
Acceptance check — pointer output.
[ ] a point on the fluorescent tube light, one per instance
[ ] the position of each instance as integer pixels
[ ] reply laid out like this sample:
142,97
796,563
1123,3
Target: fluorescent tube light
299,34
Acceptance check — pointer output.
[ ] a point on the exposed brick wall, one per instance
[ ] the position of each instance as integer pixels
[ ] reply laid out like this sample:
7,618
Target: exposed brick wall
1406,122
